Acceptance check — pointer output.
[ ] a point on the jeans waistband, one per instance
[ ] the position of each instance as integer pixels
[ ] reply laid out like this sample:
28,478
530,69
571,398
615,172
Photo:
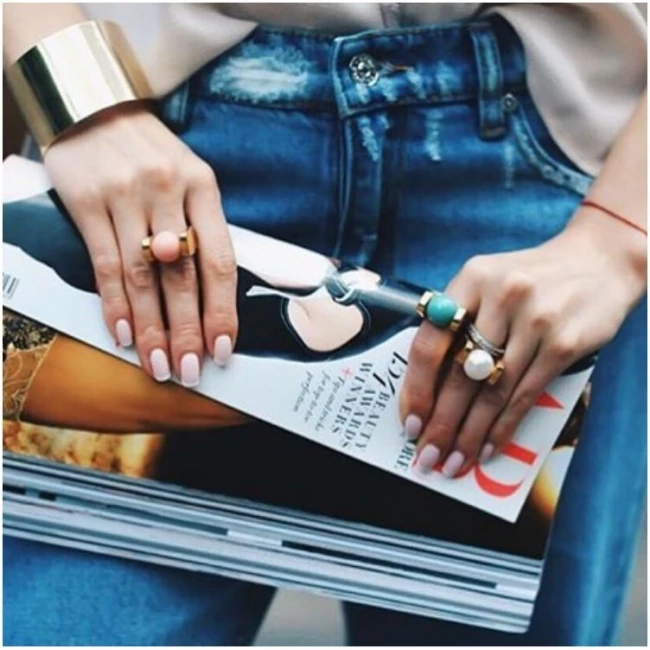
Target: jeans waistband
299,69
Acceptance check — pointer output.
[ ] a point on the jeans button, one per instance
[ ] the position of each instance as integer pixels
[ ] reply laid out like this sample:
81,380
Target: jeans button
509,103
364,69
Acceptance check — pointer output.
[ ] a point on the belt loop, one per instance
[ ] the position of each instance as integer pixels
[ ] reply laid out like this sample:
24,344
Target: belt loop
490,76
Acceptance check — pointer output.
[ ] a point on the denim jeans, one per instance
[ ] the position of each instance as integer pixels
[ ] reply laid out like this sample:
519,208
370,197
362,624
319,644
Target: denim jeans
408,151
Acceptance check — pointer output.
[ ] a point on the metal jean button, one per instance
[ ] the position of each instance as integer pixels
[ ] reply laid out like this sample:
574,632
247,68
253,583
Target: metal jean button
365,69
509,103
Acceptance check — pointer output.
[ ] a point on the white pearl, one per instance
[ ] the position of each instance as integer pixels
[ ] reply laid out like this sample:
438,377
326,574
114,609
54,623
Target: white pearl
478,365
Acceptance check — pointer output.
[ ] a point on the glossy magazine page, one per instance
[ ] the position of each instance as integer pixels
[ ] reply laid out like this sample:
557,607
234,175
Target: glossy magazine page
321,352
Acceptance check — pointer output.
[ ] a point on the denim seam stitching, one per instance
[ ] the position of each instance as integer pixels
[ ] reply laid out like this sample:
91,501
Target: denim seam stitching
537,157
482,40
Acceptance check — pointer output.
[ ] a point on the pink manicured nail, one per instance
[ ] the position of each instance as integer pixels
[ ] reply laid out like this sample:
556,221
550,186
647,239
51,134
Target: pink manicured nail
453,464
190,370
412,427
160,365
486,453
427,459
124,333
222,350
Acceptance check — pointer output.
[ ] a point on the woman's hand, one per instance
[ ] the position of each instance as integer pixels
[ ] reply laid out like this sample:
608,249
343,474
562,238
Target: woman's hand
548,307
123,176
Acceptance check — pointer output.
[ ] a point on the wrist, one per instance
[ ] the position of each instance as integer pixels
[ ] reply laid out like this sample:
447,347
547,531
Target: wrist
103,118
617,246
73,74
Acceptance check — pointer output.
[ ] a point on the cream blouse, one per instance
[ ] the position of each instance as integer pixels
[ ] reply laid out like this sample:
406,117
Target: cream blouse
586,62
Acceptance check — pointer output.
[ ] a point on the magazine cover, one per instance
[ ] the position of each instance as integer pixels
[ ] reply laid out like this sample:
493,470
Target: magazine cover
321,348
326,441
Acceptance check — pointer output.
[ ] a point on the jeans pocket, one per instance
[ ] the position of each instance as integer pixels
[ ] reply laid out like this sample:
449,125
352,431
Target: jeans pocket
538,148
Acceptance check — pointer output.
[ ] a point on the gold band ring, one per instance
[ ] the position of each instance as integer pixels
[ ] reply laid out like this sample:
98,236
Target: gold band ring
188,245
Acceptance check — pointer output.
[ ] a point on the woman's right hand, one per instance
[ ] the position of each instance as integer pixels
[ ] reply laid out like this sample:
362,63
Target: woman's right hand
123,176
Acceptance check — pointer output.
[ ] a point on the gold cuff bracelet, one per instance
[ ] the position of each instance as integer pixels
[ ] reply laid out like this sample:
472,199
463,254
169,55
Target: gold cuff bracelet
74,74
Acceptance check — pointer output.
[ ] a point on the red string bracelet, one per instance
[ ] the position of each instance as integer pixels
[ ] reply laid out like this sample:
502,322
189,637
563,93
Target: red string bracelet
636,226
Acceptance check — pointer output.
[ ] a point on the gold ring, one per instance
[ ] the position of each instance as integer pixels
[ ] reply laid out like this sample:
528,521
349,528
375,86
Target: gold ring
496,373
147,253
188,245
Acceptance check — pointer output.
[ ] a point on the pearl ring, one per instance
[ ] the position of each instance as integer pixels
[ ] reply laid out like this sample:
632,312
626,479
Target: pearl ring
479,364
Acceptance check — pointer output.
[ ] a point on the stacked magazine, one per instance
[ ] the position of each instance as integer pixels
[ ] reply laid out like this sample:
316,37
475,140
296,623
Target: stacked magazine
288,467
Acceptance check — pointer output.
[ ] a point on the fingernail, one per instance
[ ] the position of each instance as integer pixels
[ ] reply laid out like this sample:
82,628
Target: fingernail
453,464
190,370
222,350
427,459
412,427
124,333
486,452
160,365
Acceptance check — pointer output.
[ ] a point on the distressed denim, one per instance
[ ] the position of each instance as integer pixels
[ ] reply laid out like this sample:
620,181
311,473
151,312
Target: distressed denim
408,151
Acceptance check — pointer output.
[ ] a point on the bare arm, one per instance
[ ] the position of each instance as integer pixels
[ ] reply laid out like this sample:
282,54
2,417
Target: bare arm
621,187
25,24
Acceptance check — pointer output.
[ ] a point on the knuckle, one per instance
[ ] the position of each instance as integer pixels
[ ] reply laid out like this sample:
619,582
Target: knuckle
150,336
161,176
203,175
84,200
495,396
522,402
563,347
477,267
187,335
440,432
222,266
221,320
501,433
122,185
542,319
515,286
107,267
140,276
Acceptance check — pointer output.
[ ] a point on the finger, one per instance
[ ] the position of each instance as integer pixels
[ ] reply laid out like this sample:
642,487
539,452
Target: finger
97,230
142,285
426,355
472,439
504,298
216,263
426,362
429,363
179,283
458,391
555,354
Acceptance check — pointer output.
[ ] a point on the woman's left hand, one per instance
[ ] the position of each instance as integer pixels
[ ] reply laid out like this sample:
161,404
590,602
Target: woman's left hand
548,307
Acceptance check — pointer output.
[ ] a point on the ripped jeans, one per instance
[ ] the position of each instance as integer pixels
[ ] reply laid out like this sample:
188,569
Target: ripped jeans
407,151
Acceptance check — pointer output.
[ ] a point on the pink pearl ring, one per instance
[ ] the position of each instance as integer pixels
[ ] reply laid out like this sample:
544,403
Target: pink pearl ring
167,247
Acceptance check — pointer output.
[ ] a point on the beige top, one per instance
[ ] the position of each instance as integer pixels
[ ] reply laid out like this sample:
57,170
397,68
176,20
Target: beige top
586,62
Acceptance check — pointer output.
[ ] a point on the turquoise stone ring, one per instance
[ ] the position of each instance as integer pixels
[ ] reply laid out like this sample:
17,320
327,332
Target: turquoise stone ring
440,310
